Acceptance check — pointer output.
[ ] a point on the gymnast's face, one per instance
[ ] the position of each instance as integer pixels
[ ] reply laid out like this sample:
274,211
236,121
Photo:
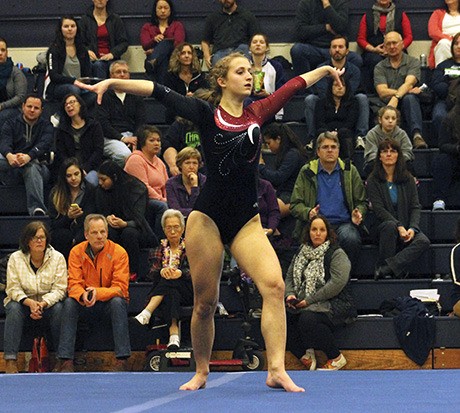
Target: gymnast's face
238,81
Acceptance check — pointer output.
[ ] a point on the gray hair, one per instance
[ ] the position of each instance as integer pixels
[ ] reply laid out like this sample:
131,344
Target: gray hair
327,135
118,62
171,213
94,217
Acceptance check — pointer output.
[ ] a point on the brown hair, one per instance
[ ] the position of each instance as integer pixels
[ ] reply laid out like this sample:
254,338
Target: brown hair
29,232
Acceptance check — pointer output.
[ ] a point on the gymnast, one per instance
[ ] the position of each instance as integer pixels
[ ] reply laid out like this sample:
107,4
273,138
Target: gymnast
226,210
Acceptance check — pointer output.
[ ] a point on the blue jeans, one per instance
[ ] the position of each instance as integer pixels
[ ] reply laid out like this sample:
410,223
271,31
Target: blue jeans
115,310
439,113
155,210
161,54
33,175
100,68
411,113
349,240
443,167
18,316
243,48
306,57
116,150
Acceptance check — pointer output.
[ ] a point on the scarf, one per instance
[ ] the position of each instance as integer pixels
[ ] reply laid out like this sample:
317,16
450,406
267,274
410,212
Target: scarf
5,72
389,11
308,273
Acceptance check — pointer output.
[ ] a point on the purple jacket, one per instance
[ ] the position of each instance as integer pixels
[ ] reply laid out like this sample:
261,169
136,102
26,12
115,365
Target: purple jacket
178,197
268,205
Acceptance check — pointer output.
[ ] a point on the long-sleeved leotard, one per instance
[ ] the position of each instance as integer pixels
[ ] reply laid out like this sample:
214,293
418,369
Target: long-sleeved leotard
231,148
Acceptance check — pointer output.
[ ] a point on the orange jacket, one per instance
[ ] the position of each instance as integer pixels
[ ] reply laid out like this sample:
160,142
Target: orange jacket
109,274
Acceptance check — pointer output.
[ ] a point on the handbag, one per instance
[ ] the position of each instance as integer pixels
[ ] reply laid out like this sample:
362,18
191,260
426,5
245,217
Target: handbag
39,362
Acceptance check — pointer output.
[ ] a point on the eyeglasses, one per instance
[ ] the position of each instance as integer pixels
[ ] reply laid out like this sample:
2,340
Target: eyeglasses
175,228
71,102
40,238
329,147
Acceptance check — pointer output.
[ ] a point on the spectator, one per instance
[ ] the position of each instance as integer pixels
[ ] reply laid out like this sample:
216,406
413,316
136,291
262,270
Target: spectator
36,285
387,128
104,36
68,61
160,37
339,52
270,70
392,192
444,73
122,199
269,210
172,285
26,138
79,136
333,188
442,27
98,289
146,166
71,200
446,164
395,78
290,156
384,17
454,265
182,190
227,31
317,22
121,115
316,277
13,86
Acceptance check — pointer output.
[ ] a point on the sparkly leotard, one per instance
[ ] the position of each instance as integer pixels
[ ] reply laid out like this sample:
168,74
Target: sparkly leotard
231,148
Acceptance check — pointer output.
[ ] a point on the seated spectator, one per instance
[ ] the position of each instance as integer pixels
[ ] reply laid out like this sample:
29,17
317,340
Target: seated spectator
318,274
122,199
160,37
98,290
337,113
80,136
13,86
446,164
290,156
121,115
183,133
454,266
24,139
339,52
384,17
172,285
269,210
184,74
68,61
227,31
444,73
333,188
317,22
71,199
146,166
183,190
36,285
395,78
444,23
392,192
387,128
268,73
104,35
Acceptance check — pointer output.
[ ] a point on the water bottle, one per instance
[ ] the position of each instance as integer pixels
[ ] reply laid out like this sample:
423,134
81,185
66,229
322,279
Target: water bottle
423,61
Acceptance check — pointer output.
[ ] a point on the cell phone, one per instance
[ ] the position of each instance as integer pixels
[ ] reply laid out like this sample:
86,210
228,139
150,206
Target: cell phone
293,301
74,205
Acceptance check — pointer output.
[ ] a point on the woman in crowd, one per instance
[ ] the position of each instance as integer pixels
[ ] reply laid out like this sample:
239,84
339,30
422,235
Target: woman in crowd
172,285
68,61
392,192
290,156
80,136
160,37
338,113
71,200
104,36
455,271
182,190
269,70
387,128
231,140
443,25
318,274
384,17
122,199
146,166
36,285
13,85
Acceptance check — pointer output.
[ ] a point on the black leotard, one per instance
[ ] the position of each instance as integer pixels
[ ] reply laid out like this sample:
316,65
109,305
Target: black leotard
231,148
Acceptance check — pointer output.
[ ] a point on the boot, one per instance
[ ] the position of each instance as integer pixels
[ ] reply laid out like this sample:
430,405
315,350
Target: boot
11,367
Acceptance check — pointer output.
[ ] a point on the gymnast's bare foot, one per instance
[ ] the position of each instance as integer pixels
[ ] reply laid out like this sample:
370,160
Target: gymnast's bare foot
197,382
282,380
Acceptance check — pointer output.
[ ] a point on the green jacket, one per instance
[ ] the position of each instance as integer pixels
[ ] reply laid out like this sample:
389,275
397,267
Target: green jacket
304,195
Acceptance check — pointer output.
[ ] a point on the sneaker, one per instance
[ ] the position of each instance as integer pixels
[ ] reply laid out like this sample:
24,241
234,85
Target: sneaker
335,364
309,359
439,205
174,342
419,142
143,317
360,143
64,366
120,365
38,212
11,367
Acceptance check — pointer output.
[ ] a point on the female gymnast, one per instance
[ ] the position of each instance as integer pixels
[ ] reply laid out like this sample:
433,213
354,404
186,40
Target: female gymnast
226,210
